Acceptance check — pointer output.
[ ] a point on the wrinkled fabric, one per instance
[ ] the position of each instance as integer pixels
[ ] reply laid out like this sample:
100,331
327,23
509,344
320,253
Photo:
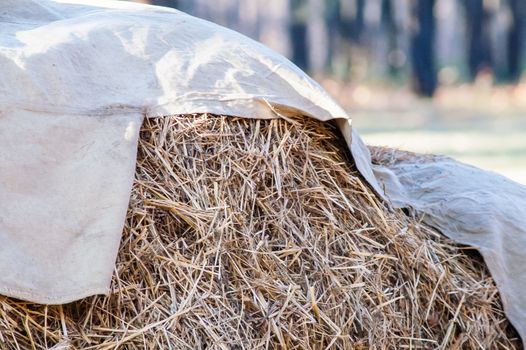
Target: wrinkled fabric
65,182
76,80
473,207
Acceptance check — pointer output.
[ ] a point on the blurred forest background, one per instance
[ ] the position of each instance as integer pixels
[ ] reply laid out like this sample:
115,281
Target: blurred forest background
439,76
421,42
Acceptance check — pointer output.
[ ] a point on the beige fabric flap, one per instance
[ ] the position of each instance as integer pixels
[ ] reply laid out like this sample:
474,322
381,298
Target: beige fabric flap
65,183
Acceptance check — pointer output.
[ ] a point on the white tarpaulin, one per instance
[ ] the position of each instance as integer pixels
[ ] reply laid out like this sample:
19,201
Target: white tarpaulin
474,207
76,80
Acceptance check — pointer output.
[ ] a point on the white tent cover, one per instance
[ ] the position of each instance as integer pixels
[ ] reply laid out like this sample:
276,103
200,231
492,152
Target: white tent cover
78,77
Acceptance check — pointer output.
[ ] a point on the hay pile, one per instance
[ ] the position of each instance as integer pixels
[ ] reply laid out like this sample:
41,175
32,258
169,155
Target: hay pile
248,234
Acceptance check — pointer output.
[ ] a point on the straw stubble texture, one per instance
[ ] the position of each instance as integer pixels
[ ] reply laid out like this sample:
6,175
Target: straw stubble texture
251,234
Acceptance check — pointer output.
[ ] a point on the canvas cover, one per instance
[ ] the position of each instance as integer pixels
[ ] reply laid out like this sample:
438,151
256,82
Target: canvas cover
76,80
474,207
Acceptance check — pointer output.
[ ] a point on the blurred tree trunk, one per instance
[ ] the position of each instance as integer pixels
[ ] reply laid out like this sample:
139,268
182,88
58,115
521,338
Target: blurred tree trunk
317,37
333,24
358,23
515,39
351,19
298,33
422,39
167,3
351,24
274,25
391,30
479,51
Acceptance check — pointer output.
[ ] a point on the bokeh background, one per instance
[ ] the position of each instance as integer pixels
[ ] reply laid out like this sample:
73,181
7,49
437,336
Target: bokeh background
439,76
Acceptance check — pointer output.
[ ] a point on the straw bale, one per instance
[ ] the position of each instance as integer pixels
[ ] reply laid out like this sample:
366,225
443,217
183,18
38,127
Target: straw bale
252,234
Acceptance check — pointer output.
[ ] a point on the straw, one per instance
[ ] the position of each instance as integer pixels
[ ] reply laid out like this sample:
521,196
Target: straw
252,234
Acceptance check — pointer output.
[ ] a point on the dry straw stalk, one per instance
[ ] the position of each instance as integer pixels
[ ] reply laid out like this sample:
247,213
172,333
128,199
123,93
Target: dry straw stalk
250,234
